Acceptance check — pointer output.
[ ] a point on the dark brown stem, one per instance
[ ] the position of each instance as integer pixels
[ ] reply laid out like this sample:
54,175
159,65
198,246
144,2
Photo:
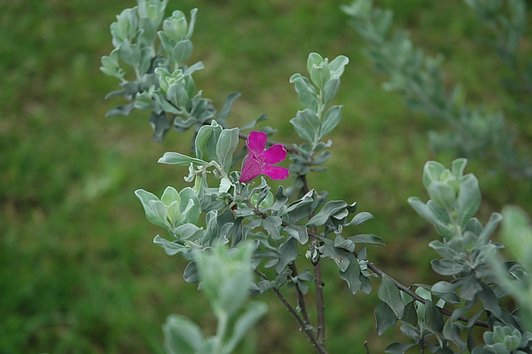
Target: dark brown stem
366,347
307,329
416,297
318,282
320,304
301,303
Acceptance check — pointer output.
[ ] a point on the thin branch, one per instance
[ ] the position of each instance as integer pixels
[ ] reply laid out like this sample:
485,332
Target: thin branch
318,282
300,296
416,297
307,329
366,347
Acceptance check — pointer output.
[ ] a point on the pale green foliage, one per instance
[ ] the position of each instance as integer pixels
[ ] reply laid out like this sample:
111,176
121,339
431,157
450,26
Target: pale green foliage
517,235
226,276
470,131
161,82
318,117
467,254
245,237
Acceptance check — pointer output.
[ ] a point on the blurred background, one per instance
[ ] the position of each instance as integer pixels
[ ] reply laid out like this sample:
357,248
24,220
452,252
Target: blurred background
78,270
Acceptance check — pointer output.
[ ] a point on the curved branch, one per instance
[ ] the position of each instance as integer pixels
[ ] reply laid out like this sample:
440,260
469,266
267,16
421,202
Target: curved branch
416,297
305,327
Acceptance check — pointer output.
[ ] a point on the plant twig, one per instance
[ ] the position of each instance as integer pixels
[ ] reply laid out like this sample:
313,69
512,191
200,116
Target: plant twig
366,347
416,297
301,303
318,282
307,329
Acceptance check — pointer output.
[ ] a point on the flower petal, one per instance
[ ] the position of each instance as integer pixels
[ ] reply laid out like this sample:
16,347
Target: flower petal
276,153
250,169
275,172
256,142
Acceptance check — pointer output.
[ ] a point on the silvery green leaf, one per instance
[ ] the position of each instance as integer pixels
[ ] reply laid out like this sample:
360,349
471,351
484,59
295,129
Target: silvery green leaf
153,10
228,104
244,323
168,107
111,66
272,224
451,332
193,14
117,93
160,126
337,65
170,248
300,208
206,141
122,110
490,301
146,56
490,227
175,158
457,168
226,146
177,95
340,242
360,218
186,231
446,267
432,172
331,120
352,275
331,87
181,51
288,253
226,276
367,238
174,213
191,208
389,294
170,195
443,249
385,317
297,232
307,125
176,26
305,91
166,42
468,200
193,68
225,185
313,60
410,314
125,26
442,194
332,207
398,348
469,287
433,319
129,53
411,331
181,336
443,287
423,210
320,74
154,209
341,257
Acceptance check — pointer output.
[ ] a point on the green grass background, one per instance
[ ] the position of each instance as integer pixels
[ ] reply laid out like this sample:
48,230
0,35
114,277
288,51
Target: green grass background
78,271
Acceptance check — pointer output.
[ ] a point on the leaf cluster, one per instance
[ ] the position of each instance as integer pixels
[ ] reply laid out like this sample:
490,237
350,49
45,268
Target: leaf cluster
470,131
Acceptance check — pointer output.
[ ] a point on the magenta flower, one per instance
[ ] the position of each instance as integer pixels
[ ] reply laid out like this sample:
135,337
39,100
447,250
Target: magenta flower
259,161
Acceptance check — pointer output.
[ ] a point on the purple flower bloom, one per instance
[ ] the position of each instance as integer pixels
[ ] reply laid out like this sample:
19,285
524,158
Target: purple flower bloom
259,161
